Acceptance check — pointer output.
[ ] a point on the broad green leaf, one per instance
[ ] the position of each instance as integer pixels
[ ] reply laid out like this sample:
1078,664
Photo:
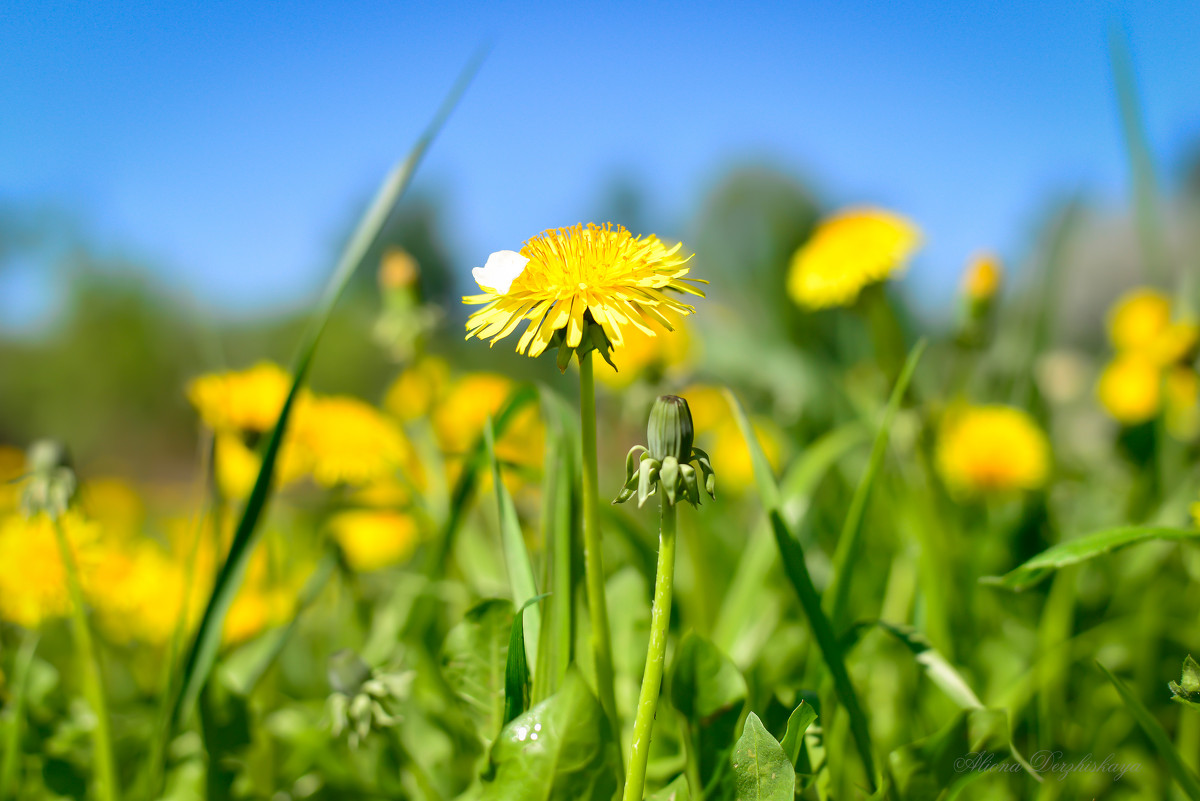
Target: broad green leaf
801,718
677,790
561,750
709,692
516,555
474,660
761,769
202,654
1187,779
792,555
516,670
1083,548
837,595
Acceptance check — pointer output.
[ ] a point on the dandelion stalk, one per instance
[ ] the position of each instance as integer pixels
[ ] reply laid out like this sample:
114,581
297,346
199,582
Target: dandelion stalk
93,686
660,618
665,463
593,558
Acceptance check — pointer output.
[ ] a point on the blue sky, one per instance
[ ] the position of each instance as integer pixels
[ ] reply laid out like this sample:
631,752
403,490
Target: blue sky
230,143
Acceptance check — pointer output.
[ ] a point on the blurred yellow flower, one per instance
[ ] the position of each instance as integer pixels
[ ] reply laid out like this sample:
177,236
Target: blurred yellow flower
138,593
246,400
33,586
256,609
1130,388
645,354
719,434
982,277
398,269
416,390
237,465
985,449
350,442
565,277
1138,318
371,539
847,252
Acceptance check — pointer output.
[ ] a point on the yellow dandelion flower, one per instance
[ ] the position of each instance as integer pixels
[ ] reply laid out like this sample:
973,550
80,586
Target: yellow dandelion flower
236,464
416,390
350,442
645,354
1175,344
398,269
1138,318
731,456
982,277
254,610
1130,388
138,593
566,277
847,252
461,413
371,539
33,583
984,449
708,407
247,400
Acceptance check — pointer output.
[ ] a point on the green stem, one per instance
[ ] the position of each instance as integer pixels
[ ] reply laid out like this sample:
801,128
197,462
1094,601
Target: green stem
593,559
660,619
10,762
93,686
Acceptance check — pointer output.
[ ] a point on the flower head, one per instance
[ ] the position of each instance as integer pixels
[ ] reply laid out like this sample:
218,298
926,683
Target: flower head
246,400
846,253
983,449
568,282
1130,388
667,460
982,277
371,539
1138,318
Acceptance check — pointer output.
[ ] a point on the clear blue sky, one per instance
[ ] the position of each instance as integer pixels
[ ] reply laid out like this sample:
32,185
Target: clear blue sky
229,143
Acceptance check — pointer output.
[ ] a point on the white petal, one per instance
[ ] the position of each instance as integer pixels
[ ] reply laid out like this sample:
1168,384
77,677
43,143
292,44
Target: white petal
502,268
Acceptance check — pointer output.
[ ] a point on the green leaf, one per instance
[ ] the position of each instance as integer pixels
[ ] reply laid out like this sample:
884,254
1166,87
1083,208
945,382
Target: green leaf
1184,775
554,651
1187,690
516,555
1083,548
950,681
837,595
474,661
202,654
677,790
796,569
561,750
516,670
761,769
709,692
801,718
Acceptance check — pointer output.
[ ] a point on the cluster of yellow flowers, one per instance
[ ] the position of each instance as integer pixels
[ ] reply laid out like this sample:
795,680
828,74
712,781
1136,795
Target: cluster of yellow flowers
140,589
1151,369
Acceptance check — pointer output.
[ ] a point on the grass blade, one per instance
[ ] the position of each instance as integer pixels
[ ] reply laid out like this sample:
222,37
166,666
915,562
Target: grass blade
1182,774
743,600
837,594
554,651
14,711
202,654
796,569
516,555
1141,162
1083,548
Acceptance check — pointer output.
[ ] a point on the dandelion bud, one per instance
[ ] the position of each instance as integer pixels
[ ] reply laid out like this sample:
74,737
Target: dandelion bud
669,432
51,484
667,462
